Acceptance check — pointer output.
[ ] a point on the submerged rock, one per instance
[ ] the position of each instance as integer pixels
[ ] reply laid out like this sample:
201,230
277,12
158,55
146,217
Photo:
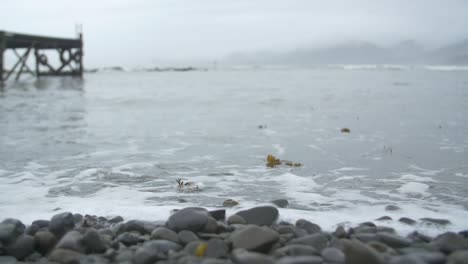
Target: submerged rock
281,203
230,203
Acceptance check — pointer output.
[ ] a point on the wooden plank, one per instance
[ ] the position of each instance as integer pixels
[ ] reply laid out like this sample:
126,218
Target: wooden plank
16,40
2,49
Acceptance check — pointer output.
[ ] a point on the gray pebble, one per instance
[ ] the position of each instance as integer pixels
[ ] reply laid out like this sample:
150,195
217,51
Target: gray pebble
406,220
458,257
128,238
407,259
333,255
310,227
318,241
281,203
300,260
8,260
44,241
72,241
393,241
22,247
384,218
142,227
254,238
392,207
93,242
186,237
340,232
61,223
165,233
219,214
154,250
217,248
65,256
450,242
116,219
296,250
262,215
357,253
435,221
236,219
241,256
191,218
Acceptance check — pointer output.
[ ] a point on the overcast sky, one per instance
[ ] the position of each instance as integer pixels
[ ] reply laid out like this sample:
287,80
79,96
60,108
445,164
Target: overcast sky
144,32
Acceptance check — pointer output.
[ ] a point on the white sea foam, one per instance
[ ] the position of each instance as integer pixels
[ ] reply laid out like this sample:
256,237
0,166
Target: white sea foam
415,188
279,149
412,177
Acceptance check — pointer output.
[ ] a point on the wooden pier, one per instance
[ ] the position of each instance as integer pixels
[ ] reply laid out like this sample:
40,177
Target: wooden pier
69,60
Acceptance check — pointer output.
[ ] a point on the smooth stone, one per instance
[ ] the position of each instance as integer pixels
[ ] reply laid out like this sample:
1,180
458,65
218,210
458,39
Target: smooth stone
385,229
191,218
32,230
358,253
164,233
392,207
41,223
296,250
142,227
214,261
435,221
78,218
406,220
191,248
65,256
44,241
124,256
381,247
407,259
236,219
299,232
384,218
333,255
458,257
300,260
417,237
241,256
211,226
186,236
128,238
310,227
254,238
8,260
22,247
93,259
262,215
393,241
318,241
93,242
7,233
340,232
430,257
154,250
230,203
217,248
368,224
219,214
365,229
450,242
61,223
464,233
366,237
19,226
116,219
73,241
284,229
281,203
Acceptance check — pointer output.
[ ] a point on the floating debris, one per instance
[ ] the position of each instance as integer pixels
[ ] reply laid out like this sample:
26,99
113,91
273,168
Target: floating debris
272,161
293,164
201,250
262,126
230,202
345,130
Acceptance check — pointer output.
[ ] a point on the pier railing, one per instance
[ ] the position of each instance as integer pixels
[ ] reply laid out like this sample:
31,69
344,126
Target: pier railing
69,51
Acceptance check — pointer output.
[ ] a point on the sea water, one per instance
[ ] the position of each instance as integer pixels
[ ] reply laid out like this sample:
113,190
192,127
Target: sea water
114,143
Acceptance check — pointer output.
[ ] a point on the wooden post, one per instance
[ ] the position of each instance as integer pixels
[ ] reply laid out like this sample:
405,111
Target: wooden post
82,54
2,49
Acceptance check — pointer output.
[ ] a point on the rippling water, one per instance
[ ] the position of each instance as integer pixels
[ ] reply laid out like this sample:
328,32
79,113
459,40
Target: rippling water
114,143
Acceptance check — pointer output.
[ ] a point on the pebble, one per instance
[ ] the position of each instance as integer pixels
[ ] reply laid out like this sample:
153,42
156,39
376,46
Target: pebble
406,220
393,241
116,219
65,256
72,241
164,233
61,223
128,238
458,257
296,250
357,253
22,247
142,227
310,227
392,207
450,242
41,223
241,256
333,255
435,221
191,218
217,248
254,238
93,241
230,203
262,215
219,214
7,260
152,251
236,219
301,260
318,241
384,218
44,241
281,203
186,236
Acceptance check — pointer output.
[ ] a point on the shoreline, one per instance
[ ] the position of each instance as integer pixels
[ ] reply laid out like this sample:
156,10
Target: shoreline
196,235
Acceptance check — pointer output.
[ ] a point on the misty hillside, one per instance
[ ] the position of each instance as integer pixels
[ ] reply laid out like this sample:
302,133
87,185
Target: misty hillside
406,52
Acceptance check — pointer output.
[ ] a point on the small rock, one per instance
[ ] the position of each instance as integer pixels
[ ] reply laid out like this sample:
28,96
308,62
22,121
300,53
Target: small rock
262,215
41,223
393,241
230,203
301,260
93,242
450,242
142,227
365,237
381,247
310,227
241,256
190,218
317,240
218,214
128,238
407,259
186,236
358,253
384,218
44,241
8,260
116,220
154,250
22,247
296,250
65,256
458,257
165,233
464,233
10,229
435,221
254,238
416,237
340,232
392,207
430,257
406,220
61,223
236,219
345,130
217,248
78,218
211,225
281,203
333,255
73,241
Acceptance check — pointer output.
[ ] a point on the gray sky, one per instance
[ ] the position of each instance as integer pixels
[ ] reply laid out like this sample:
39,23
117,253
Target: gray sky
144,32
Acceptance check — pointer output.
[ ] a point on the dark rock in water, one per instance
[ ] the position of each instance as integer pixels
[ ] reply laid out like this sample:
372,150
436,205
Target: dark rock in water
406,220
22,247
281,203
44,241
367,224
407,259
128,238
217,248
61,223
10,229
384,218
78,218
296,250
186,237
393,241
464,233
254,238
164,233
32,230
193,219
65,256
116,220
19,226
152,251
458,257
236,219
142,227
218,214
358,253
73,241
310,227
93,242
436,221
241,256
450,242
301,260
262,215
392,207
230,203
340,232
317,240
7,260
41,223
416,237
